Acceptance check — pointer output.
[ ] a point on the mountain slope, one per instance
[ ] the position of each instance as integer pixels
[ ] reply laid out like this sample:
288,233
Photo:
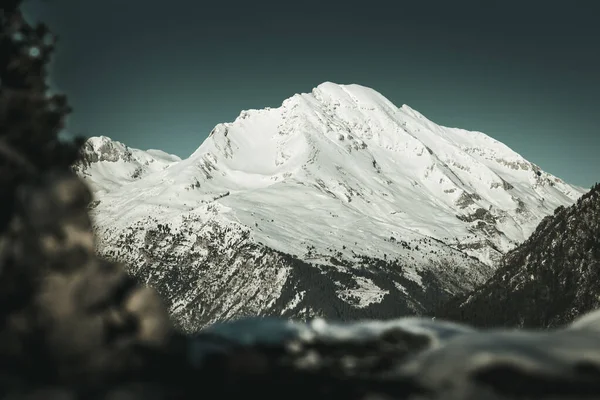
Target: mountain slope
547,281
337,203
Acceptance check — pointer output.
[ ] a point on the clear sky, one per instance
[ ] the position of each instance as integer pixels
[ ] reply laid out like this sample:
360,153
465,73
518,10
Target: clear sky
162,74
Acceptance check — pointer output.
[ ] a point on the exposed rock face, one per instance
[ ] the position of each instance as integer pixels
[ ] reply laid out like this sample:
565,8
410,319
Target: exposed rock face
547,281
209,272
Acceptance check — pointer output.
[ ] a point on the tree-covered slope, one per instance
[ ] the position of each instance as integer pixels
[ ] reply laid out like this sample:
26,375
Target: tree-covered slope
547,281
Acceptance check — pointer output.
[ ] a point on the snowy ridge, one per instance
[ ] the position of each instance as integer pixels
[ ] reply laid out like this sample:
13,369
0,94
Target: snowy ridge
109,164
384,203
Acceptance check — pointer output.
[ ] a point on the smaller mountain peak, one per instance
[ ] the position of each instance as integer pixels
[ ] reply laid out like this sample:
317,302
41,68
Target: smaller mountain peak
98,140
104,141
103,148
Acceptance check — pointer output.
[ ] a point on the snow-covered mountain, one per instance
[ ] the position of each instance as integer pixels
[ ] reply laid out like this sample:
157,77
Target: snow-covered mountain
338,203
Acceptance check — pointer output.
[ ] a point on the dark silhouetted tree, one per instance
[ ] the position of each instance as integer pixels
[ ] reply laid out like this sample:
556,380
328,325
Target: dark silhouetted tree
30,118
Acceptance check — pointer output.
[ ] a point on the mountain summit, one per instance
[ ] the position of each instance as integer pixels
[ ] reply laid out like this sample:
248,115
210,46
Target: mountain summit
337,203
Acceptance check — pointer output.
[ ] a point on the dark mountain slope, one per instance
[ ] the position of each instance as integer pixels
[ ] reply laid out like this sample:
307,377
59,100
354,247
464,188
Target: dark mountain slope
547,281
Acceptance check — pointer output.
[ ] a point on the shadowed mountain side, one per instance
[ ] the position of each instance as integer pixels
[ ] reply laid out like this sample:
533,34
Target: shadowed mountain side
547,281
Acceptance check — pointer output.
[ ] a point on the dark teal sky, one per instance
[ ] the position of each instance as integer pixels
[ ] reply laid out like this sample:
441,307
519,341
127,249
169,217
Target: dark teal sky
161,74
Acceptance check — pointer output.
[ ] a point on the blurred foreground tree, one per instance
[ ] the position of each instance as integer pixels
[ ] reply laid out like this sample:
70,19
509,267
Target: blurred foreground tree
30,118
67,318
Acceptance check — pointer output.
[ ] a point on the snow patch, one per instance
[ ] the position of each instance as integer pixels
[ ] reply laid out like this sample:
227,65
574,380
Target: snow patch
367,293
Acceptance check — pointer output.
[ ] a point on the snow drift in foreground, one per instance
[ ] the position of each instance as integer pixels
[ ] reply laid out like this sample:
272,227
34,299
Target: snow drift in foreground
402,359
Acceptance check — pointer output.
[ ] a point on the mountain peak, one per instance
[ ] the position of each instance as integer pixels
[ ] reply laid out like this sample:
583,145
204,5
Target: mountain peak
353,95
341,89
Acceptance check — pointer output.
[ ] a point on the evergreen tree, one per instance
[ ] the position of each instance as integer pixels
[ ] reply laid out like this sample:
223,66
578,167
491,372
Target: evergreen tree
30,118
